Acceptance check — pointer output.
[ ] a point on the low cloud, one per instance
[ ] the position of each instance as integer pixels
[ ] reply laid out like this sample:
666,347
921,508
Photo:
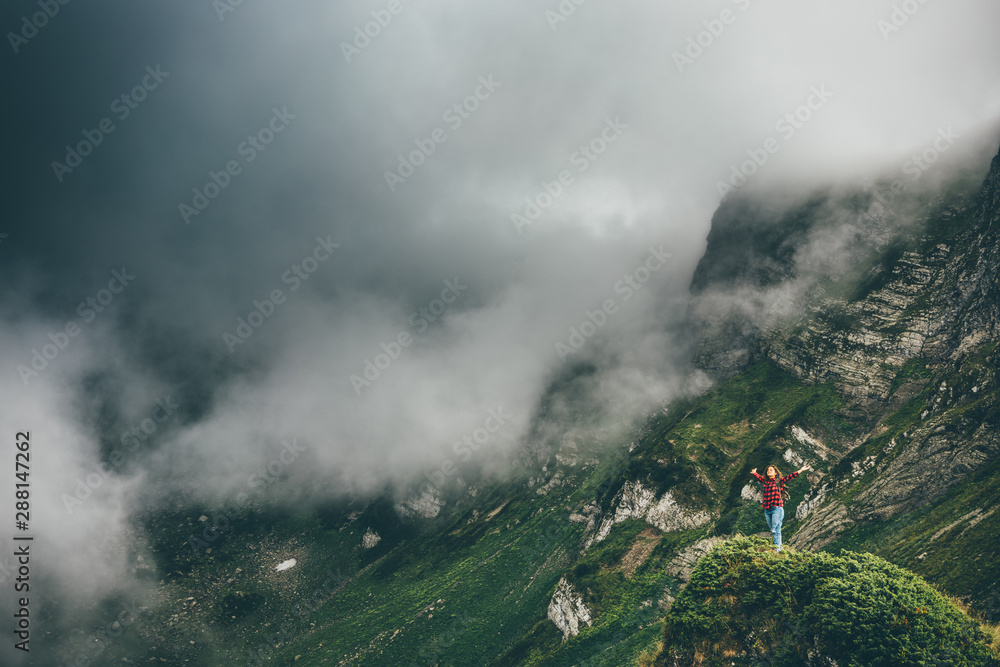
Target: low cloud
496,150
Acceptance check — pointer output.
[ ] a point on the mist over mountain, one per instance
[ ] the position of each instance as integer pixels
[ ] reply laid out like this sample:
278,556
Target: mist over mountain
372,261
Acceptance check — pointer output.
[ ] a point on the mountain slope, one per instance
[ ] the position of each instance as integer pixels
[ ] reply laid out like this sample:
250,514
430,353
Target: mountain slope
853,334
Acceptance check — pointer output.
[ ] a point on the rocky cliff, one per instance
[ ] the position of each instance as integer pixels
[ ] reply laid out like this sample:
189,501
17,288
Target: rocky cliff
909,326
634,501
567,610
847,287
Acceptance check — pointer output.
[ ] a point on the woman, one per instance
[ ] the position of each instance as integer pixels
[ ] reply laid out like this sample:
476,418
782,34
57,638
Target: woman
773,503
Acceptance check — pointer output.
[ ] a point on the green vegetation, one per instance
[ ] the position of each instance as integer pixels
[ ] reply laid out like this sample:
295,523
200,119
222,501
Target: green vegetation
495,575
703,450
472,585
747,605
952,541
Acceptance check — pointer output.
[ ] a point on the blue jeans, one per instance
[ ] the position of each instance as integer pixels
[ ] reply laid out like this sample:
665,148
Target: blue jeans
774,517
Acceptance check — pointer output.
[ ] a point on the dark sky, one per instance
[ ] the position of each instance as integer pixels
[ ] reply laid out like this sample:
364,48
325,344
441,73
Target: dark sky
504,100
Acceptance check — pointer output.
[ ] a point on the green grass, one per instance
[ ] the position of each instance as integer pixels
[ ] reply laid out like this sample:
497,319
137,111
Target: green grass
961,561
748,605
742,424
496,577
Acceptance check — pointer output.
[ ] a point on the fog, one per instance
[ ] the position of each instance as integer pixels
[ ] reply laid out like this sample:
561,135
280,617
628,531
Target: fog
296,200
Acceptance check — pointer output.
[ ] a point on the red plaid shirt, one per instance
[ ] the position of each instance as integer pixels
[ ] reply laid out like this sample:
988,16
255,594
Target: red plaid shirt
772,489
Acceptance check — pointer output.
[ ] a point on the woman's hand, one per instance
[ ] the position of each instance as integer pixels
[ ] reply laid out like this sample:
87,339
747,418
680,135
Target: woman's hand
753,472
804,468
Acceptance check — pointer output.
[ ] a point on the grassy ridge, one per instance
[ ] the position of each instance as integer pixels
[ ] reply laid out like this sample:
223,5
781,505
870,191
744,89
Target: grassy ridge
747,605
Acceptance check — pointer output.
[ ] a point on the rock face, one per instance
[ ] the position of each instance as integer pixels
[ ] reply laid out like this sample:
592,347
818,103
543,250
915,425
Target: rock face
861,345
924,298
928,464
567,610
766,261
760,289
634,501
811,502
682,565
426,504
752,493
918,466
370,539
824,525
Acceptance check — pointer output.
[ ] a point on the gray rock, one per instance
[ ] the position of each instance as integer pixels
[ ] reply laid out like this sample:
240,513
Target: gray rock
568,611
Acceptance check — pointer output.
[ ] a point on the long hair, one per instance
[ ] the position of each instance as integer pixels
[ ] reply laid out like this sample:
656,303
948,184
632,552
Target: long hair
777,475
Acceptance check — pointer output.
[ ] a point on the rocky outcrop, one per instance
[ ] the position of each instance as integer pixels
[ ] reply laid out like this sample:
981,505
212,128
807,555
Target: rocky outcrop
923,299
823,526
370,539
634,501
682,565
811,502
817,446
567,610
555,481
861,345
588,516
426,504
752,493
928,464
759,290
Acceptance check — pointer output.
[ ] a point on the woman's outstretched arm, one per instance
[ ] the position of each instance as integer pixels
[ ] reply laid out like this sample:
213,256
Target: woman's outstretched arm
757,475
793,475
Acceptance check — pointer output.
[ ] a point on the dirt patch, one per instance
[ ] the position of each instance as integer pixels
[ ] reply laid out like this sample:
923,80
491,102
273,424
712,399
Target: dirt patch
644,544
496,511
737,430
